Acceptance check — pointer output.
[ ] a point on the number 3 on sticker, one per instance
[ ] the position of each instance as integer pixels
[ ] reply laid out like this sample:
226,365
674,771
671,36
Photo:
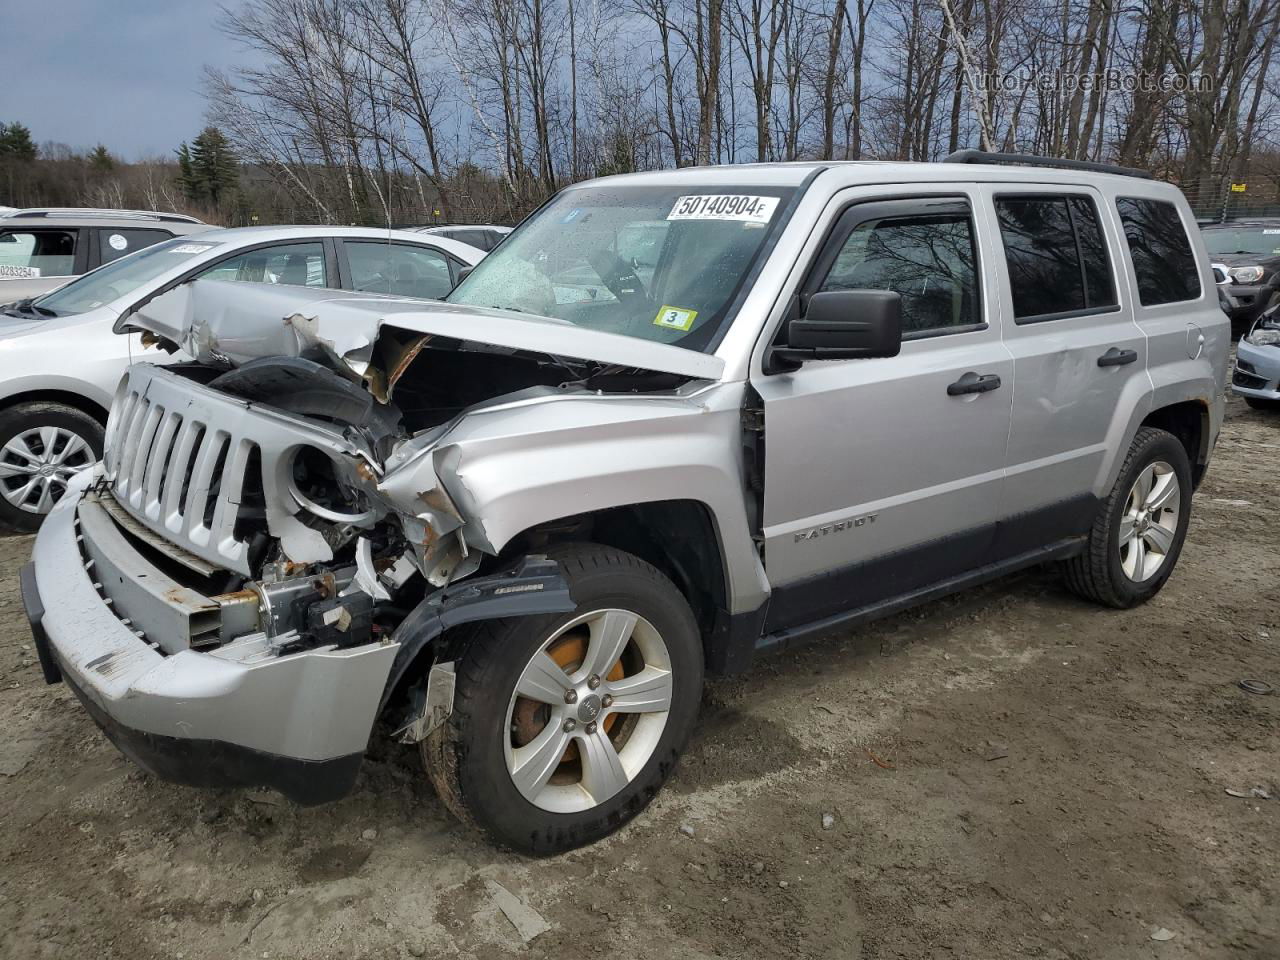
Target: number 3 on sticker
674,318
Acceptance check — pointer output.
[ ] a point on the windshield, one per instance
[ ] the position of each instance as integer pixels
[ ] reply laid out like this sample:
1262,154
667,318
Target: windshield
656,263
1262,241
120,277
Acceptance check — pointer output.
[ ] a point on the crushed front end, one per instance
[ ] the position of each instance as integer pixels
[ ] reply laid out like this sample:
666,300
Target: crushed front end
223,591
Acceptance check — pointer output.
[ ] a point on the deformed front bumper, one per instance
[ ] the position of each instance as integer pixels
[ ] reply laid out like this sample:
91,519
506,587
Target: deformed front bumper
298,723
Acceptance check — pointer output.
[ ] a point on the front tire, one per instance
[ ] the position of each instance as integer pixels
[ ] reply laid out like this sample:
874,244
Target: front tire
1263,403
42,445
565,726
1140,528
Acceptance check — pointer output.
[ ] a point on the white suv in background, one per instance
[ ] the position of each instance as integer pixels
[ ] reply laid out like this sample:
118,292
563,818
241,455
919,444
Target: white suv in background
60,362
42,248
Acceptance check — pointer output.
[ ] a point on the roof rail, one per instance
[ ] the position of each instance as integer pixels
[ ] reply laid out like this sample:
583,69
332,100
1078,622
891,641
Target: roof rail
94,213
1031,160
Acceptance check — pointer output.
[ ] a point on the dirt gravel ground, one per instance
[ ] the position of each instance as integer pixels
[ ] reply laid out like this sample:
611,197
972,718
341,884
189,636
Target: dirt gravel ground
1010,773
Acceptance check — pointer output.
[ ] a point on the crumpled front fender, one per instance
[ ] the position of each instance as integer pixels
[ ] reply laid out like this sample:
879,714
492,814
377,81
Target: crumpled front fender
534,585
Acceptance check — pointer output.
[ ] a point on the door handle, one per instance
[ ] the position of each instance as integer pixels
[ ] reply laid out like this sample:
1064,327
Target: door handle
974,383
1115,357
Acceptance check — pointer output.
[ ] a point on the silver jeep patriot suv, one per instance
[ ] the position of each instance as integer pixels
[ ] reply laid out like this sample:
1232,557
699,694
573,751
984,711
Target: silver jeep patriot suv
674,421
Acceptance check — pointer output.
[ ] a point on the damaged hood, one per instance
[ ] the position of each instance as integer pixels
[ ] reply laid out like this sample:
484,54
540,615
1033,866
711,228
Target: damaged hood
231,323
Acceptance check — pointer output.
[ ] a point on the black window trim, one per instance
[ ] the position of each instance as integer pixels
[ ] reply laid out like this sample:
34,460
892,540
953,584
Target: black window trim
1186,236
1065,194
842,225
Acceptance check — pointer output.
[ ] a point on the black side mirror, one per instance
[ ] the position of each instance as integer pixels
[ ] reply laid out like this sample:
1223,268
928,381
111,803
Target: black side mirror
1274,281
844,325
463,273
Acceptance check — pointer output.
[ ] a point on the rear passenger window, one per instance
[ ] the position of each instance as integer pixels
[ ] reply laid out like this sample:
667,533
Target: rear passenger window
1057,256
114,244
928,259
398,268
1163,263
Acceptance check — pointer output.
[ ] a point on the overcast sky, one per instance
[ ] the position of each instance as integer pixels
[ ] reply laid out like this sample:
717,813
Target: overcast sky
125,73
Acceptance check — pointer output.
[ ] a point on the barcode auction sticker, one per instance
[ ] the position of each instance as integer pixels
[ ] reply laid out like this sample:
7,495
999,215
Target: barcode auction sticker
191,248
724,206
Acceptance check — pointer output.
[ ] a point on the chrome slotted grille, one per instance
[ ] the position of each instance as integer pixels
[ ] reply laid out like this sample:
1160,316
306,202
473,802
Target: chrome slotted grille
178,454
180,476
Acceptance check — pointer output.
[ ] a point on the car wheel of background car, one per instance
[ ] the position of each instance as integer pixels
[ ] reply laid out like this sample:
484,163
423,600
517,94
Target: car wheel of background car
1139,530
42,445
1262,403
565,726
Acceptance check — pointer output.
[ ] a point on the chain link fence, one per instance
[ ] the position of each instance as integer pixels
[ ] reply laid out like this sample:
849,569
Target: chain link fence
1222,203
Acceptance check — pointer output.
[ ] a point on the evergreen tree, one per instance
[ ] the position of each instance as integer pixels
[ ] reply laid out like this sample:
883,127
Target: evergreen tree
187,181
15,142
101,161
214,168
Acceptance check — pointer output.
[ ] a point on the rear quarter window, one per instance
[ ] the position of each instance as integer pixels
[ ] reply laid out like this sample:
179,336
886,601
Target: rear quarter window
1163,263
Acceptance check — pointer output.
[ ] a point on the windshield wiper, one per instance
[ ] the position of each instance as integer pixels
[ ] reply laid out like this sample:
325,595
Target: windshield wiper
29,308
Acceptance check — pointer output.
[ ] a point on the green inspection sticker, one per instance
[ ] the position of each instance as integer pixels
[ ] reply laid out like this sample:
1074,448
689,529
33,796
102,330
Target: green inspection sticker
675,318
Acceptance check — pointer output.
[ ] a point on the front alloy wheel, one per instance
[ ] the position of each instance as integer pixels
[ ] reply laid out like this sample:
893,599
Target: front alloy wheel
588,711
564,726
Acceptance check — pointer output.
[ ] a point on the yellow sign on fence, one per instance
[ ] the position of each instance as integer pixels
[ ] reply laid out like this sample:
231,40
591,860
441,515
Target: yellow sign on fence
1238,187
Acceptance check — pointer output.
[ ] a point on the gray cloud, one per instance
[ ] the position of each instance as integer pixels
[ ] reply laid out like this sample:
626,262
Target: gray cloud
125,73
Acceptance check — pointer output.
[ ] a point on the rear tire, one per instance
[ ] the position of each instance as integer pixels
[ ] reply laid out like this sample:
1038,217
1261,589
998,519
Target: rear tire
42,445
554,742
1151,521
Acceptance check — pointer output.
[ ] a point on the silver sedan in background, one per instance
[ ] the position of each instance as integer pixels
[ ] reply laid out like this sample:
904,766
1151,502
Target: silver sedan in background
60,361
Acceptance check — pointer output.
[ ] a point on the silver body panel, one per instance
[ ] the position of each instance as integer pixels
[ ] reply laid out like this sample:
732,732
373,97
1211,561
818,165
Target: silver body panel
212,319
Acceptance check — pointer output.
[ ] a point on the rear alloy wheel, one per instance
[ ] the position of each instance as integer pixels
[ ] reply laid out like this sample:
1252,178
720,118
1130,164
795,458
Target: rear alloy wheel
1149,527
1139,528
42,446
565,726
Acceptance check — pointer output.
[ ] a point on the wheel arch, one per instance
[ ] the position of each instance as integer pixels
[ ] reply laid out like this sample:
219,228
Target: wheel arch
1189,421
679,537
68,398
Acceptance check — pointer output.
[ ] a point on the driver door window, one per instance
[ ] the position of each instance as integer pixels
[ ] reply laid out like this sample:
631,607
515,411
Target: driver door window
929,259
293,264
